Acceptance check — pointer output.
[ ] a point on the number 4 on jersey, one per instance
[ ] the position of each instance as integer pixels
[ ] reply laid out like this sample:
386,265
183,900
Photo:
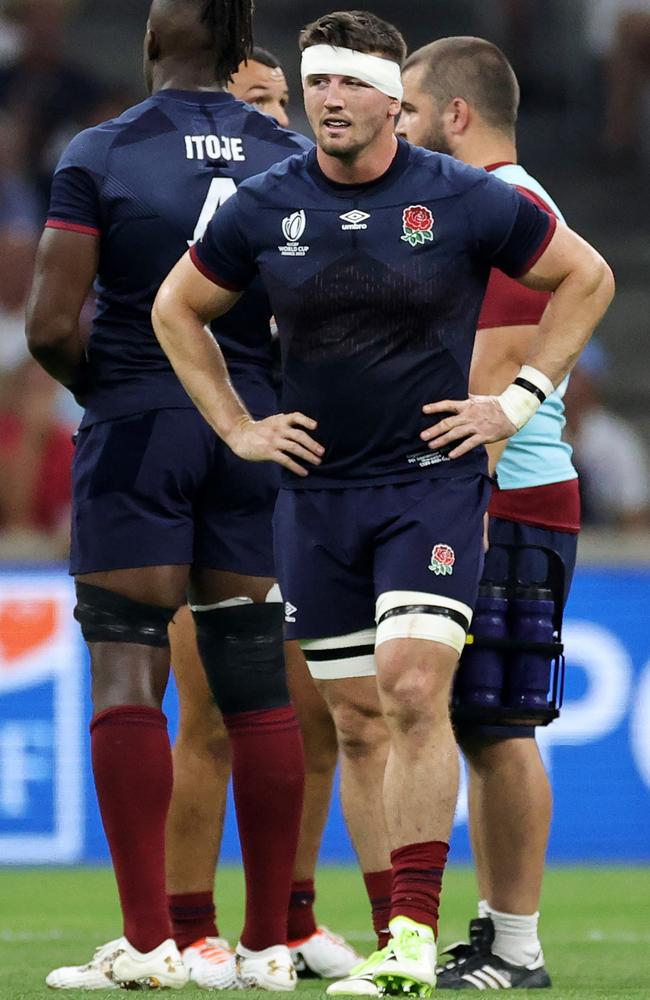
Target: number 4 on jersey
220,190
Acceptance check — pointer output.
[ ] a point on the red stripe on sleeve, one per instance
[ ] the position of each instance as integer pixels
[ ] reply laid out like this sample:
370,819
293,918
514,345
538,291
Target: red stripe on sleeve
72,227
501,163
535,198
210,275
507,302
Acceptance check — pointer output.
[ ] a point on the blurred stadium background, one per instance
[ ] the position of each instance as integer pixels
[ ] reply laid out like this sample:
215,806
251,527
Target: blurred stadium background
584,66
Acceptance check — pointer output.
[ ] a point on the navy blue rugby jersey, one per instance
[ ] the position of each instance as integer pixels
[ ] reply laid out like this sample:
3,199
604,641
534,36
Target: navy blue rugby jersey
147,183
376,290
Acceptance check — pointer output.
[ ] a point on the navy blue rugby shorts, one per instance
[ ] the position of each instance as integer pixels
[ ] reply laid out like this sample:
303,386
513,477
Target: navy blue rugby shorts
159,488
338,550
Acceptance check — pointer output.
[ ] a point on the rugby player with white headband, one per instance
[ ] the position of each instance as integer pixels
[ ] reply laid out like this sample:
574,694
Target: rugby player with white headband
376,255
382,74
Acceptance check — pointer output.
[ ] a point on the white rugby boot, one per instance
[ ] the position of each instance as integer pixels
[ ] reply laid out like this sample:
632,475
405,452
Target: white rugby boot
161,968
323,955
359,982
210,963
409,963
94,975
269,969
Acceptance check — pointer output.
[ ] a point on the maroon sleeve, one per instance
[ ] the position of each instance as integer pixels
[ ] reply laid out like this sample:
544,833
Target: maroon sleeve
507,302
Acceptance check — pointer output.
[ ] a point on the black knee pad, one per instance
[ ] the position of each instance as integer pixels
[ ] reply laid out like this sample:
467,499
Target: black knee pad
108,617
243,656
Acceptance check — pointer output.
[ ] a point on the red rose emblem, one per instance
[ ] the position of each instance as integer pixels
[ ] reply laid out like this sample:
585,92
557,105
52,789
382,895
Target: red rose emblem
418,218
444,554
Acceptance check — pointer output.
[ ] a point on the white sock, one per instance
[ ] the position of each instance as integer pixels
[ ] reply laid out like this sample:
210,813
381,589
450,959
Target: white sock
515,936
483,908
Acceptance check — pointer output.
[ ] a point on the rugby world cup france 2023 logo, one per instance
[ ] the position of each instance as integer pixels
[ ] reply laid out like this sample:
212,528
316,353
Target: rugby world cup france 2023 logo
417,223
293,226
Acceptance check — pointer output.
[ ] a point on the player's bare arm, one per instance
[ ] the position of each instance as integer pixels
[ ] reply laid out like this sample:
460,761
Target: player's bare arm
499,353
583,287
185,303
66,264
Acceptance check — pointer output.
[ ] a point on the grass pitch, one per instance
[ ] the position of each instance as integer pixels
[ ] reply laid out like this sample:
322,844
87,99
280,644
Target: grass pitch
595,926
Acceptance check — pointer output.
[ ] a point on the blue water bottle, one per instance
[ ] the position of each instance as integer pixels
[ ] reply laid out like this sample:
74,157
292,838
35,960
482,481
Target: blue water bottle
528,673
481,671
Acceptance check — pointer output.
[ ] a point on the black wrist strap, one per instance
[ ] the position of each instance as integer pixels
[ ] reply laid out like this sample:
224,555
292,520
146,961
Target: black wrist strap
530,387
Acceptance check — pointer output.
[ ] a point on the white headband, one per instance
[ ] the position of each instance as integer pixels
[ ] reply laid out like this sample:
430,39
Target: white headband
382,74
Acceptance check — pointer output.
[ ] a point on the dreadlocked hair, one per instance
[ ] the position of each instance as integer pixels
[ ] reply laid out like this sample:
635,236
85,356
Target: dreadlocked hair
230,23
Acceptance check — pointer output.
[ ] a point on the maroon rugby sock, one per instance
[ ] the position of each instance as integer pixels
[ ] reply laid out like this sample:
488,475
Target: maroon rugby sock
193,917
378,887
417,881
268,773
302,923
132,765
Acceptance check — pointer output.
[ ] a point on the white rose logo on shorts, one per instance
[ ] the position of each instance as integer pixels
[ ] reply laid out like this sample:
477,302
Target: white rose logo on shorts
417,223
443,558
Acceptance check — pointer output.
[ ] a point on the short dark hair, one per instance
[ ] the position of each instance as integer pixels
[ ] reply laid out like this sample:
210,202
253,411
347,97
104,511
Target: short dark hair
266,58
477,71
355,29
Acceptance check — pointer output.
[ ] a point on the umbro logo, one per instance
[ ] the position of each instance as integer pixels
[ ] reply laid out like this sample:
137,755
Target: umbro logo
355,219
289,611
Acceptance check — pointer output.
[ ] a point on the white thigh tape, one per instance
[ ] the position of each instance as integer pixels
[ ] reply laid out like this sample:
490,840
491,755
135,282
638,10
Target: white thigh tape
341,656
274,595
427,626
406,614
